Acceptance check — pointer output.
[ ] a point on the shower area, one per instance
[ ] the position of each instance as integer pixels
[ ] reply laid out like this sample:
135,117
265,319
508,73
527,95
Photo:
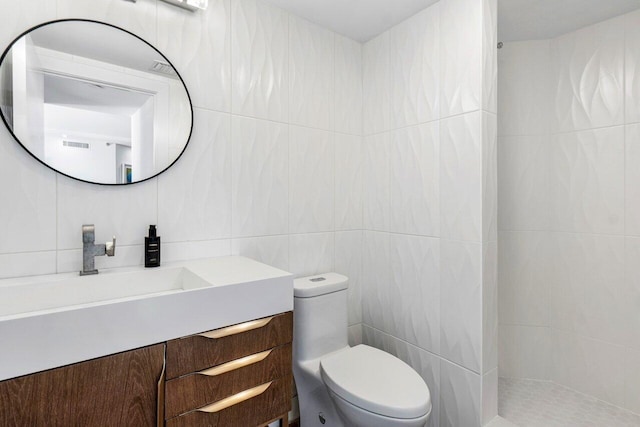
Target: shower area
569,227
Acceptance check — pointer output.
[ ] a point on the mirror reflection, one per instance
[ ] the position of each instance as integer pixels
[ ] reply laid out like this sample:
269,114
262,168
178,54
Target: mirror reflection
94,102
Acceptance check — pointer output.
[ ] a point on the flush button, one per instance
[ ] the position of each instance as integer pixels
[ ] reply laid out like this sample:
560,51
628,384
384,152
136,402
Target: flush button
317,279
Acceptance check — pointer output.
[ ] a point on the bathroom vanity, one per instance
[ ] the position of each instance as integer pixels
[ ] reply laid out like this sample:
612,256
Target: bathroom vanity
213,349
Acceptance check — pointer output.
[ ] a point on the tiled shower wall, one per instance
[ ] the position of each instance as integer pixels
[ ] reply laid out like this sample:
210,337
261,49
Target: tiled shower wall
569,219
430,239
273,170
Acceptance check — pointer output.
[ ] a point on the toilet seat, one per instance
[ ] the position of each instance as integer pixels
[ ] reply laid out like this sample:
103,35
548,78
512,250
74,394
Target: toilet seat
376,382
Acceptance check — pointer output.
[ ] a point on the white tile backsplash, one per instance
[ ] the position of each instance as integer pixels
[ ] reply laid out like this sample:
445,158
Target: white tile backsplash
194,196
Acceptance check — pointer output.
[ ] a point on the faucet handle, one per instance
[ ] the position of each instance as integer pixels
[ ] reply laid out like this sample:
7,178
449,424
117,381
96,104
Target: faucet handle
110,247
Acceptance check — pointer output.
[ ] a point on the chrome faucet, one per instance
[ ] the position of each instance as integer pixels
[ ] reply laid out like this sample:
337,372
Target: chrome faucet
90,250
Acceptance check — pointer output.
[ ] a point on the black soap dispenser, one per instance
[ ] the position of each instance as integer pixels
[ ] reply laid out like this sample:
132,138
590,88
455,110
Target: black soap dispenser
152,248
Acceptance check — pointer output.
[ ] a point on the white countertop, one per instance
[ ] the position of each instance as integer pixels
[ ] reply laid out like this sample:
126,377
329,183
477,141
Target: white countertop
59,327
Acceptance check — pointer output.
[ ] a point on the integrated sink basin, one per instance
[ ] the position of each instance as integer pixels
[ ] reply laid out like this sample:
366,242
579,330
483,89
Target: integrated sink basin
69,291
51,321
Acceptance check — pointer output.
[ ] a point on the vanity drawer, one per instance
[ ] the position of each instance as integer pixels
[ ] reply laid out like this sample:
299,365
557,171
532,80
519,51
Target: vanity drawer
245,411
199,389
198,352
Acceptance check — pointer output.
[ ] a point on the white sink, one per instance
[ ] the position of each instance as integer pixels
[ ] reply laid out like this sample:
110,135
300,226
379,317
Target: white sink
113,286
51,321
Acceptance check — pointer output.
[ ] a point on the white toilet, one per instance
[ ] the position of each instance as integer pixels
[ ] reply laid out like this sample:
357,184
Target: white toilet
342,386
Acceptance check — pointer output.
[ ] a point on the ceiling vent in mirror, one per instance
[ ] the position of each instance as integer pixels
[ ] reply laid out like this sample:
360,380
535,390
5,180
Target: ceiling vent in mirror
75,144
162,68
192,5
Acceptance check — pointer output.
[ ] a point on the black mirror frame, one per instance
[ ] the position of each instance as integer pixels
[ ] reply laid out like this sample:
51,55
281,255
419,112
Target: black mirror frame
4,120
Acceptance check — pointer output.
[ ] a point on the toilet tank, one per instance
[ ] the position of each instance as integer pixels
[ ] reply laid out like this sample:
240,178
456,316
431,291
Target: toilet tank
320,315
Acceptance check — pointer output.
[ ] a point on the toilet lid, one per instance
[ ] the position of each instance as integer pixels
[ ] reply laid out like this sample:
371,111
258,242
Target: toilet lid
377,382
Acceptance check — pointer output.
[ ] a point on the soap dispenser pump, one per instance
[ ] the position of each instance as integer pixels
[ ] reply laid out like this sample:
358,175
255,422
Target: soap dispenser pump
152,248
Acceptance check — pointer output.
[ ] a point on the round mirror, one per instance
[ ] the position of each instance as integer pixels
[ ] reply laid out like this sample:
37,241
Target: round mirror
94,102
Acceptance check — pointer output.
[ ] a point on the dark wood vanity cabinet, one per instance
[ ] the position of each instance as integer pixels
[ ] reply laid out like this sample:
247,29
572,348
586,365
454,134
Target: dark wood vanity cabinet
234,376
117,390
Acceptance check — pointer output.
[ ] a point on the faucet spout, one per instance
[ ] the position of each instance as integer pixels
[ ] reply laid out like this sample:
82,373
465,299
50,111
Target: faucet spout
90,250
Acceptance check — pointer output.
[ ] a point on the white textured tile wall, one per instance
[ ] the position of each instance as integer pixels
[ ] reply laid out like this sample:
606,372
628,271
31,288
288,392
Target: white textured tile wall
430,191
569,289
250,183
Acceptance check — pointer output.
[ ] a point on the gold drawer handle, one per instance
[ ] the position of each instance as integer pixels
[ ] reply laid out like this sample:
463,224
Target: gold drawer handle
237,329
235,399
235,364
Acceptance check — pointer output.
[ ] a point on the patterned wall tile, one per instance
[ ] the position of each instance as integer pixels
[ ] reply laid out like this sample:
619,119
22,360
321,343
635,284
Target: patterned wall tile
127,217
489,306
414,302
588,68
27,264
376,78
376,280
461,177
490,56
355,335
183,251
489,177
376,178
24,15
183,36
631,294
271,250
524,259
348,181
632,67
348,86
348,261
460,396
311,82
461,59
587,177
523,184
311,254
415,179
260,60
194,196
632,381
524,88
260,177
139,18
589,366
311,175
415,68
525,352
461,303
489,396
28,209
587,288
632,180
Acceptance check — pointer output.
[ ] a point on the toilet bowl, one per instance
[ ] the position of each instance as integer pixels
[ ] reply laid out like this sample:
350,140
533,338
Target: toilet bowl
339,385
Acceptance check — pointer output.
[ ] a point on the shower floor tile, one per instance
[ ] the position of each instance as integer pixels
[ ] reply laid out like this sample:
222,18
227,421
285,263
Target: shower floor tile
530,403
